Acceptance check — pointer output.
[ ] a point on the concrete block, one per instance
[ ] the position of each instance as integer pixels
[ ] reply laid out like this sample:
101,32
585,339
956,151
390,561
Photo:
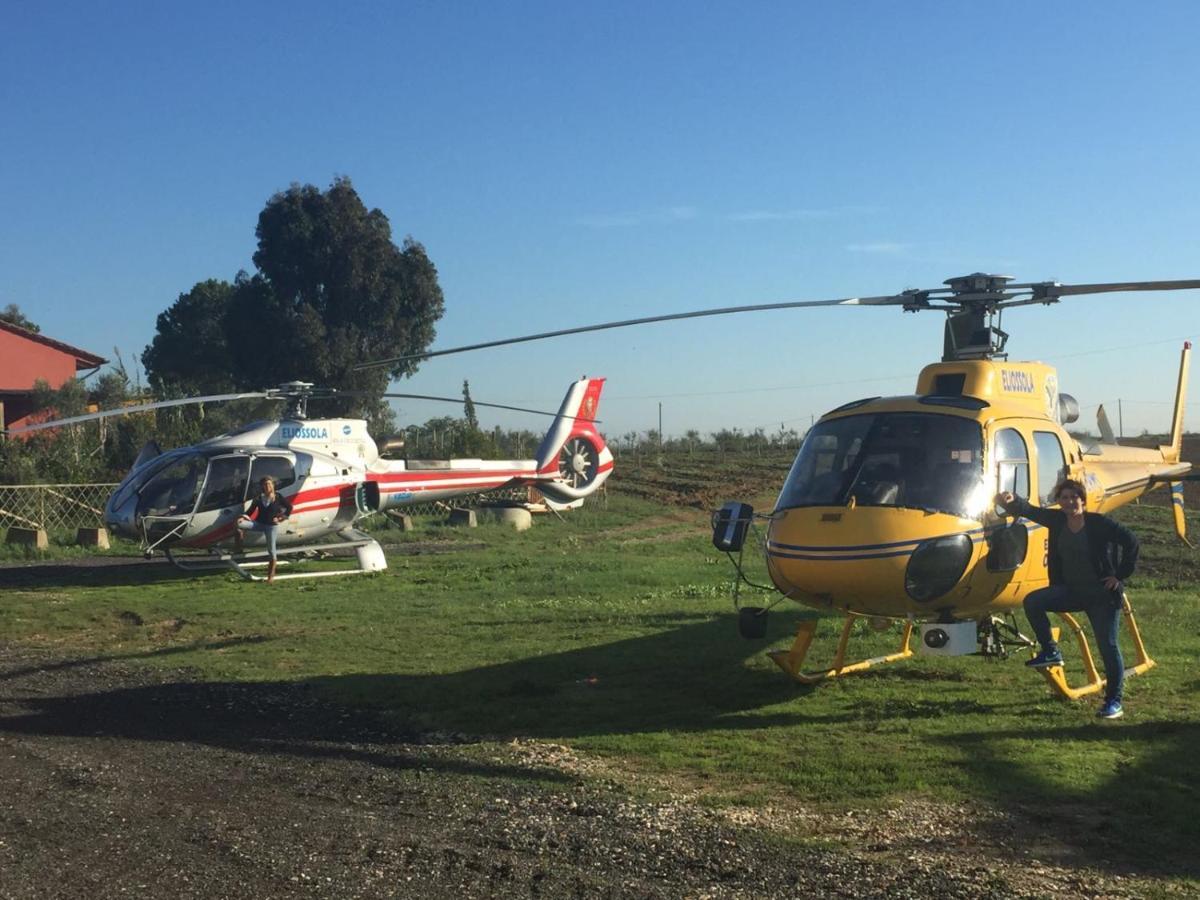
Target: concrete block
403,521
514,516
463,518
92,537
30,537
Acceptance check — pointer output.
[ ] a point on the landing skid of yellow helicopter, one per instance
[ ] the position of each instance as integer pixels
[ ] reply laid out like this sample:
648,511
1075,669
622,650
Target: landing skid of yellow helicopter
791,660
1056,676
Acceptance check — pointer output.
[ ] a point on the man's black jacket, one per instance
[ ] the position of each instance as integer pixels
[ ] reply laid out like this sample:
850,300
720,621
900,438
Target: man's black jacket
1114,549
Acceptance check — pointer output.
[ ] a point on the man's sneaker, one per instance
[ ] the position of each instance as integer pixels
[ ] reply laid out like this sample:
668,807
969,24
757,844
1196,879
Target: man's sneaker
1110,710
1045,660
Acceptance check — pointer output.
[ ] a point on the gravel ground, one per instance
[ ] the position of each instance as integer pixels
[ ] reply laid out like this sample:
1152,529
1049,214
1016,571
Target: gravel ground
126,781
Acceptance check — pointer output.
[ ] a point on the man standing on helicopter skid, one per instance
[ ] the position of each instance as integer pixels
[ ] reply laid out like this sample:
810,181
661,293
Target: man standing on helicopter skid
265,514
1089,557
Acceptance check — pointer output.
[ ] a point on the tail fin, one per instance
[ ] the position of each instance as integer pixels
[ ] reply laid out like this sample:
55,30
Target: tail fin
1171,451
1177,509
573,459
1105,426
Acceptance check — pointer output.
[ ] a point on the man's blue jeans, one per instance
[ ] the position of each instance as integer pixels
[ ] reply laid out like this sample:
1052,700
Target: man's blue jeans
1105,619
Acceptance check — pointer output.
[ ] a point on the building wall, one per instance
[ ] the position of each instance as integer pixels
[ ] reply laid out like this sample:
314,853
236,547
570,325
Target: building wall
22,362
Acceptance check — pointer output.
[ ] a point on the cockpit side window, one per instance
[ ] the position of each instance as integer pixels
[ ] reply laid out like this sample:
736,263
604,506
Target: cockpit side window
226,483
1051,464
1012,462
280,469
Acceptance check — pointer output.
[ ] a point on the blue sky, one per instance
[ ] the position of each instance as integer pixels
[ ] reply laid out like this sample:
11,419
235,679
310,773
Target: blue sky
567,164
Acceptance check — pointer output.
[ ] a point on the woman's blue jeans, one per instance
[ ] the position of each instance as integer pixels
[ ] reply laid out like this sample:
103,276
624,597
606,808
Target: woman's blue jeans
266,528
1105,619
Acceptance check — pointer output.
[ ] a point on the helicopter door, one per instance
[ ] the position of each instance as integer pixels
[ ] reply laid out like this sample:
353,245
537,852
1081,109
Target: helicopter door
224,493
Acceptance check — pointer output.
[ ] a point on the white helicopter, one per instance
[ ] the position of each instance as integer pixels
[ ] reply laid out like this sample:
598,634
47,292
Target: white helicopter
333,474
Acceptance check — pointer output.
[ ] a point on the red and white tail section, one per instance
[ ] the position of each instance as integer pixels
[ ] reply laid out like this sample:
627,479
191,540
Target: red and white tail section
573,459
571,463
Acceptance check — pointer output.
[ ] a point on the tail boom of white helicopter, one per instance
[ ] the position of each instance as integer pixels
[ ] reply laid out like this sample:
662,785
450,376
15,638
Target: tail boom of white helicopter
572,462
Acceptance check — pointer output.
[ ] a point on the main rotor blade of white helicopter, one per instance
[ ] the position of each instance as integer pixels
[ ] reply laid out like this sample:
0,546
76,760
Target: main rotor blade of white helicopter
889,300
140,407
474,402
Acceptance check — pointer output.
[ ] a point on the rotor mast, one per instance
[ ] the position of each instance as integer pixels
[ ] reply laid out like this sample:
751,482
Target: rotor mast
972,328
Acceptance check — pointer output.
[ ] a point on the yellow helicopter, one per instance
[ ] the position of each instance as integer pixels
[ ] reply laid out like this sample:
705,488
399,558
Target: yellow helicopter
887,512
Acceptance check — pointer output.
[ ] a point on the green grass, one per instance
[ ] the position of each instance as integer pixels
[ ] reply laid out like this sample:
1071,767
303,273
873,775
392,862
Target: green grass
63,546
614,632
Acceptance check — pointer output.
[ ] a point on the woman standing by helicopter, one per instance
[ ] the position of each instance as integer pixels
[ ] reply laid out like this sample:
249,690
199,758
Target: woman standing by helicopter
266,512
1090,555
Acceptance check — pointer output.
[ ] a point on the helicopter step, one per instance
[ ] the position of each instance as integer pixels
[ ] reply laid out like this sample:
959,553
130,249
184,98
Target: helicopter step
1056,676
368,558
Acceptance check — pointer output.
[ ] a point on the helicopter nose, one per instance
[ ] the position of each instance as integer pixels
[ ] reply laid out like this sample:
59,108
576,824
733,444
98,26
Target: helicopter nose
119,517
884,562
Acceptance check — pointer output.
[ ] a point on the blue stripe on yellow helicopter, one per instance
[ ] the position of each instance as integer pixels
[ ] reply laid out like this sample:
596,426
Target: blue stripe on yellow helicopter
843,553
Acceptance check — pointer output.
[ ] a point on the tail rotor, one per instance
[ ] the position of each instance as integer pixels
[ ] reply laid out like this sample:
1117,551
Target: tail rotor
578,463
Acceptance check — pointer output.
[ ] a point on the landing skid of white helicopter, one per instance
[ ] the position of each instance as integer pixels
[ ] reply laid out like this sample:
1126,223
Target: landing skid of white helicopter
368,557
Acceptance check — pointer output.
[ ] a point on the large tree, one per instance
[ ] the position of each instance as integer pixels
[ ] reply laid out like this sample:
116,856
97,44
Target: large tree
331,290
190,353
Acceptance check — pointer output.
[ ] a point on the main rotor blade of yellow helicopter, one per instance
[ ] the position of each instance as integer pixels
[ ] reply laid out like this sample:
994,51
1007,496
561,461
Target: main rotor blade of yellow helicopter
1053,289
889,300
140,407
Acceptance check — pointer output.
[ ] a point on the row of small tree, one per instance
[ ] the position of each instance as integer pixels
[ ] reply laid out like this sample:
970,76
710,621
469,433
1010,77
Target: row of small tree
726,440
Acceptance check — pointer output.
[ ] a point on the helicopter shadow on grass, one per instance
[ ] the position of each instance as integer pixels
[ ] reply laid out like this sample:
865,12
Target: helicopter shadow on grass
681,679
691,675
10,674
1141,818
282,718
91,572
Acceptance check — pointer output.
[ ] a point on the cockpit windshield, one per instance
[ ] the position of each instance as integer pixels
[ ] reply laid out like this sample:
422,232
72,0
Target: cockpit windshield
174,488
914,460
